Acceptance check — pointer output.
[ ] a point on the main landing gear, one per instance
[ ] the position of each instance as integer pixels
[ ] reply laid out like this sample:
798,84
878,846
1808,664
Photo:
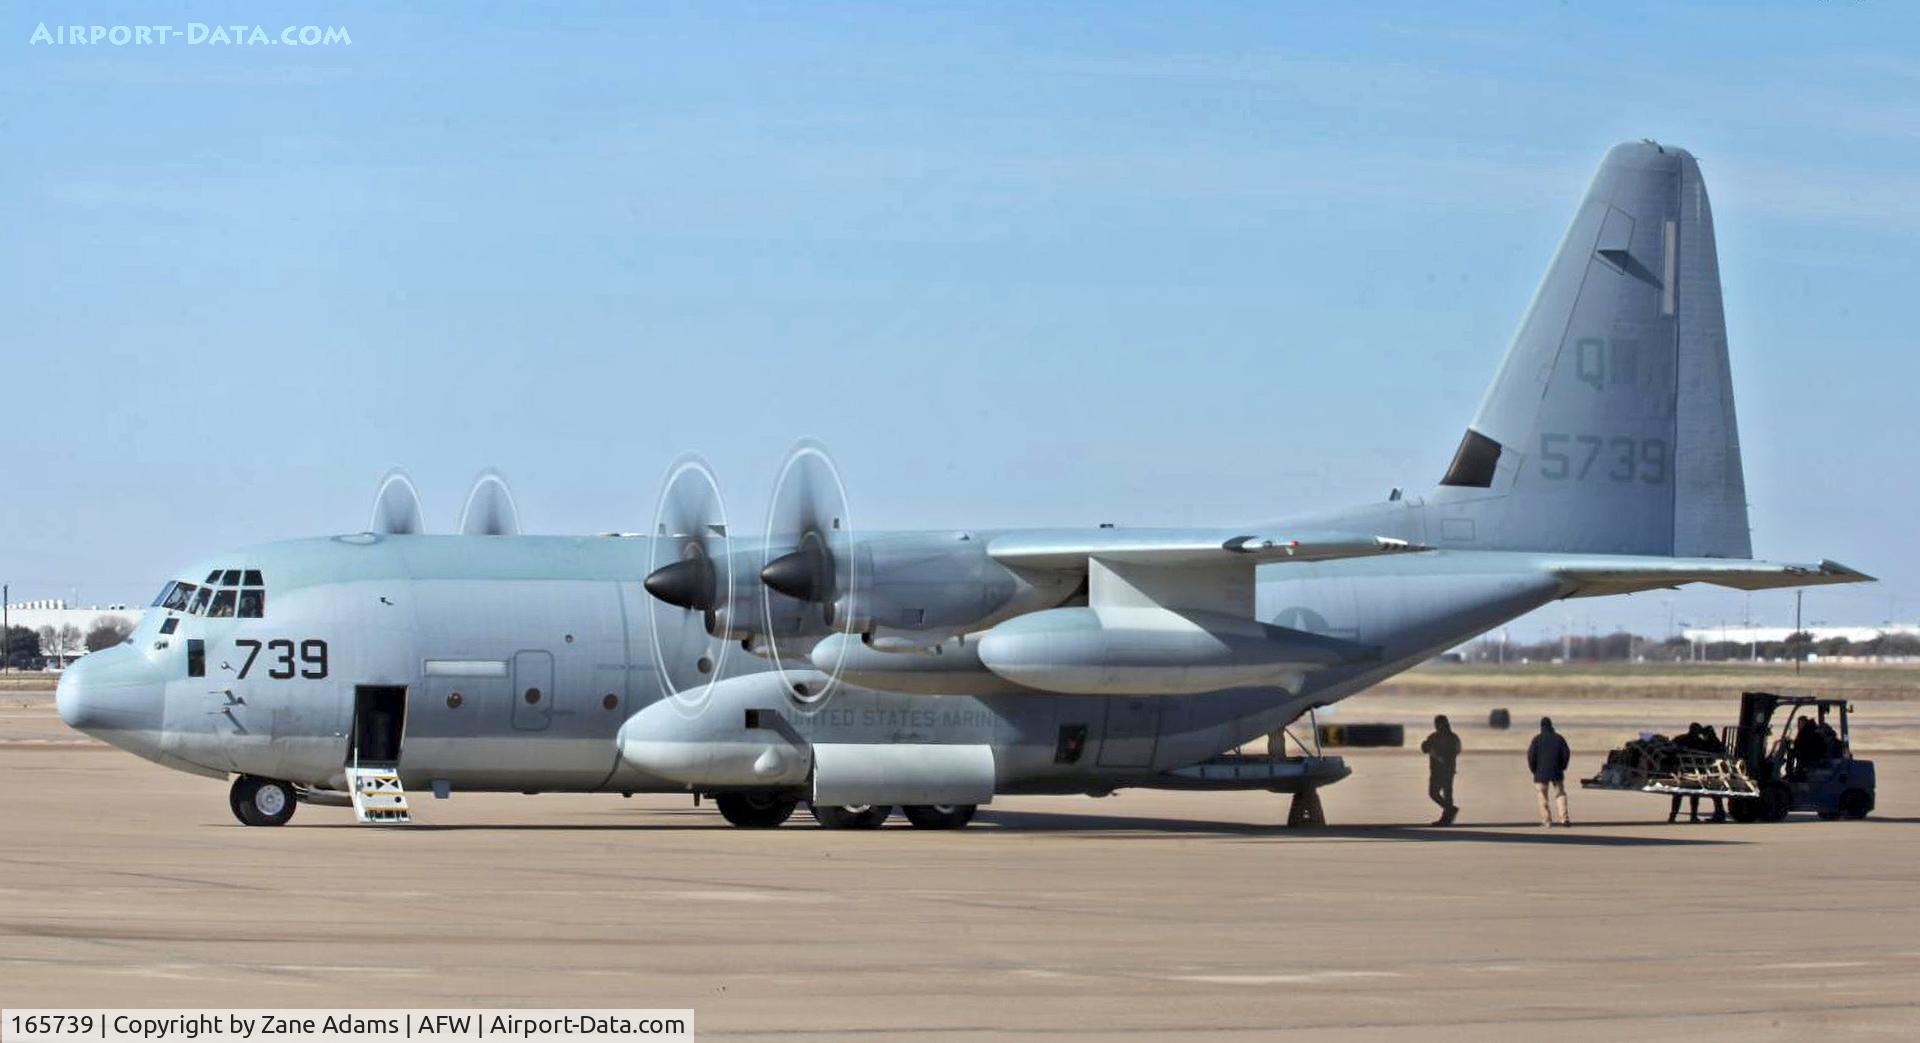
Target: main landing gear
755,810
854,816
261,802
767,810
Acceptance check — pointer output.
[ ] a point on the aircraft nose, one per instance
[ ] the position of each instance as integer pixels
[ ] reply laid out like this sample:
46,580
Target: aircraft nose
110,694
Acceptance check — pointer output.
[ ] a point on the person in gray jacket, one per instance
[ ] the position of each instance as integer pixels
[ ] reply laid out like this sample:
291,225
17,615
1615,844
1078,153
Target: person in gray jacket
1547,757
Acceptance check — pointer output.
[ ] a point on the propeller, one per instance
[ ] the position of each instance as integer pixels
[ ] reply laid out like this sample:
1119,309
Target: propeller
490,509
809,564
396,507
689,578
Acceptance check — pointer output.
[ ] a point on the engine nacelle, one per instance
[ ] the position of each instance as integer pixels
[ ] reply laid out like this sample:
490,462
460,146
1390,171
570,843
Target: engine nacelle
943,583
1150,651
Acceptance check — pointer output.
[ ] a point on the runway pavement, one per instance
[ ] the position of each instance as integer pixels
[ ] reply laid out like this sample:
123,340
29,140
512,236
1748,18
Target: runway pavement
1144,915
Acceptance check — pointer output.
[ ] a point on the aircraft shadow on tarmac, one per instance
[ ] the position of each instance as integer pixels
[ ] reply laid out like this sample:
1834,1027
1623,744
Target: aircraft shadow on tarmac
1525,832
989,820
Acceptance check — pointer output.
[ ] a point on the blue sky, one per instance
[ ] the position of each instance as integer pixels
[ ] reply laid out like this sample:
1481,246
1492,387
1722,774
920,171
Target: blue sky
1016,265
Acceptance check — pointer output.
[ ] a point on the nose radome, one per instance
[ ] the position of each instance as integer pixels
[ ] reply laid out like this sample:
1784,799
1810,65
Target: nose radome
68,698
112,690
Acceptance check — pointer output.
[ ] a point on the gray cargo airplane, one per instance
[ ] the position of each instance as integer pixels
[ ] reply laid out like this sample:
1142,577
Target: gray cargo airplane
931,671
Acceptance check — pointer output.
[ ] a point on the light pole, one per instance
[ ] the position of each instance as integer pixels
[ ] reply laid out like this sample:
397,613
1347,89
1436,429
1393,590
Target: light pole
1801,655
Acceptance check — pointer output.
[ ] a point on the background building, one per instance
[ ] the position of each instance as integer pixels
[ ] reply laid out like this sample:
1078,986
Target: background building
63,630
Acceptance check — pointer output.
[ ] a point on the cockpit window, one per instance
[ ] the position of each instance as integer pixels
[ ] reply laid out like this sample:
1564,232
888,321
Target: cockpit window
176,596
247,603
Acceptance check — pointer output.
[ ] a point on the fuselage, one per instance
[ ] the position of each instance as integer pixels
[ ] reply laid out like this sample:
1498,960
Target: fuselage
522,657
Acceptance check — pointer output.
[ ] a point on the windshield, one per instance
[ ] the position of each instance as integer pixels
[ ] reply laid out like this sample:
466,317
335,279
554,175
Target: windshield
212,600
175,596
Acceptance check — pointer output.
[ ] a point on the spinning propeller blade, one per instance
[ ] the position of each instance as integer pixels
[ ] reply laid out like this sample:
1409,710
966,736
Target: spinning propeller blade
490,509
809,560
689,578
396,506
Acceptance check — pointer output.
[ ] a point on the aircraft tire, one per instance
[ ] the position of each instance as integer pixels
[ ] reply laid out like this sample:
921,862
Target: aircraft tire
939,816
754,810
865,816
261,802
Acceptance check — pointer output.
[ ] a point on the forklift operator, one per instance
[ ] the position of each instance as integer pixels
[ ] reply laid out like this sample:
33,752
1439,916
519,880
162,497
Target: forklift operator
1810,748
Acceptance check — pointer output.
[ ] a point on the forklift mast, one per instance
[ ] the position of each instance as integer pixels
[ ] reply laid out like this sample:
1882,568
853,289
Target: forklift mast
1749,744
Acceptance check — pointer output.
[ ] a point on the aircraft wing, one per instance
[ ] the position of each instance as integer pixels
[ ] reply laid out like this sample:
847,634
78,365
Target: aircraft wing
1606,574
1071,548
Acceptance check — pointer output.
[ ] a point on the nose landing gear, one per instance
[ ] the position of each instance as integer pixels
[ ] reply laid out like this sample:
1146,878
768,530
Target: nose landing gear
261,802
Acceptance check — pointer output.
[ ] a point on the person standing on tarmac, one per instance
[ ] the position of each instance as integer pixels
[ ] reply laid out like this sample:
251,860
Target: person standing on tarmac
1443,756
1548,757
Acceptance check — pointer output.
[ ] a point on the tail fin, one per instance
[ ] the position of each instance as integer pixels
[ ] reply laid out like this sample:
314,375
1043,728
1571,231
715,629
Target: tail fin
1610,427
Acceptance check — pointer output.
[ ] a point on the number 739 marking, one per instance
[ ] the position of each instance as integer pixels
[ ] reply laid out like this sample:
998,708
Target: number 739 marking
1622,459
312,664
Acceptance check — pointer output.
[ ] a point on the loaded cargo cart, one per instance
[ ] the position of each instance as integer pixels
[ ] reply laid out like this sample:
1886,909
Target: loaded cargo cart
1807,765
1657,764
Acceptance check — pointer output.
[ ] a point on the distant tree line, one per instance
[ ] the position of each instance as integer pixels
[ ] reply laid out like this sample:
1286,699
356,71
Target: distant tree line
1621,646
32,649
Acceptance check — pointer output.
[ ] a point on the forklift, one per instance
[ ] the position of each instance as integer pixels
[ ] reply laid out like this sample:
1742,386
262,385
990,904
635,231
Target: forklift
1808,765
1764,776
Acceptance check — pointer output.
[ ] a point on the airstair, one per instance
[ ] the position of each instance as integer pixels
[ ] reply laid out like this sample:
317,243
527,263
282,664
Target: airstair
378,797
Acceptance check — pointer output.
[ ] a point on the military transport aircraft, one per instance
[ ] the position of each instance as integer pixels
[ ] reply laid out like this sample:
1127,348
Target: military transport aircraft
930,671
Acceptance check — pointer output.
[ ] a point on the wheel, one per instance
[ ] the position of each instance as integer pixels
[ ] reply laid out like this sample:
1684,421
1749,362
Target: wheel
1744,809
1855,803
261,802
857,816
939,816
1775,801
754,810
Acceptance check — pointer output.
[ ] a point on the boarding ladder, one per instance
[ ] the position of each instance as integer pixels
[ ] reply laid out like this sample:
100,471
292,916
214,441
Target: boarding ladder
378,797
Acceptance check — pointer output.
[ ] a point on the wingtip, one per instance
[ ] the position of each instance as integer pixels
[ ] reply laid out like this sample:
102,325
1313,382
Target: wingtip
1844,573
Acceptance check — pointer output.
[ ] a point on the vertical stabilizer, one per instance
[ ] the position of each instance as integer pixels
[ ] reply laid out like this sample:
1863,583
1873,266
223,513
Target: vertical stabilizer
1610,427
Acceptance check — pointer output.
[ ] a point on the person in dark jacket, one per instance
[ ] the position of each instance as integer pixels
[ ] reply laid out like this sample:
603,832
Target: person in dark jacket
1443,756
1548,757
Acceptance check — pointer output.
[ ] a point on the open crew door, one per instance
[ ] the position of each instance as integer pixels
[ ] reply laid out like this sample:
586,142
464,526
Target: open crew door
373,764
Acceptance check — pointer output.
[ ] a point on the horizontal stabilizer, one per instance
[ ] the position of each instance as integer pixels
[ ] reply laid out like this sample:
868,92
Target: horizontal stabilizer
1610,574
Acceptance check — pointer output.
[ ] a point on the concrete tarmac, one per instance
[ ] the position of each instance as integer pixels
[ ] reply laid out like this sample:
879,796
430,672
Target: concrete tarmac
1144,915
